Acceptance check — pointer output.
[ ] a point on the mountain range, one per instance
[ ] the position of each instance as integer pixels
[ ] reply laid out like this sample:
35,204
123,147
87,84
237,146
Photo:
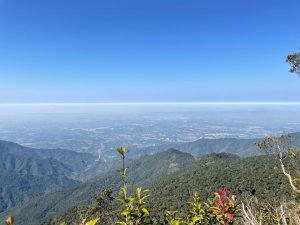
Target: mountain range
38,184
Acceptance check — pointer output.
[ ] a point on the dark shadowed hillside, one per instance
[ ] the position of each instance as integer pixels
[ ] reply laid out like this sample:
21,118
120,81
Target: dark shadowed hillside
23,160
27,173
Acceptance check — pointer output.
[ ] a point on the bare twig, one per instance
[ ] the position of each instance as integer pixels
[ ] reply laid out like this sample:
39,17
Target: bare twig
283,218
247,215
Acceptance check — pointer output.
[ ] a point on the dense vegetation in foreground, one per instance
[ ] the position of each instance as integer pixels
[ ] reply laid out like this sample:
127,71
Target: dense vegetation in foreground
222,209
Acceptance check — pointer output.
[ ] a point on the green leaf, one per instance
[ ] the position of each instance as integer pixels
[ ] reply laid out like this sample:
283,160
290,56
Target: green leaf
126,212
145,211
175,222
93,222
138,191
197,218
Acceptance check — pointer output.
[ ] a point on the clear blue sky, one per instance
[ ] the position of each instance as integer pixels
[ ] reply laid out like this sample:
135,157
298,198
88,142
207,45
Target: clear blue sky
148,50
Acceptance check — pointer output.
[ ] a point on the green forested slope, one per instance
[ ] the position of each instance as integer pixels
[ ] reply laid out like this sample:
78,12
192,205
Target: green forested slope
255,176
16,189
143,171
258,176
172,175
23,160
27,173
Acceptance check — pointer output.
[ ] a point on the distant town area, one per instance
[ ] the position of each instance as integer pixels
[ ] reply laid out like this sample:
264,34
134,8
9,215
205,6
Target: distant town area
100,130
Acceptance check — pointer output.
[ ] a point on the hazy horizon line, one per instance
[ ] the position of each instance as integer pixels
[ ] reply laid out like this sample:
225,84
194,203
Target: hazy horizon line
152,103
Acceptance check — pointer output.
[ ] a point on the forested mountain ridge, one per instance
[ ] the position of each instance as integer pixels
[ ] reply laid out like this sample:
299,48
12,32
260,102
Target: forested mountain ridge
37,172
20,159
239,146
142,172
27,173
258,176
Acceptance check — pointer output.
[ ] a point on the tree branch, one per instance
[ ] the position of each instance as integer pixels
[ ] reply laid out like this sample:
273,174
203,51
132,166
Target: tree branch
295,189
247,215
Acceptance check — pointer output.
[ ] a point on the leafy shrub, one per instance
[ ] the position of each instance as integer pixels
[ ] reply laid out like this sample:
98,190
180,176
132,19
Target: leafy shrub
222,209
